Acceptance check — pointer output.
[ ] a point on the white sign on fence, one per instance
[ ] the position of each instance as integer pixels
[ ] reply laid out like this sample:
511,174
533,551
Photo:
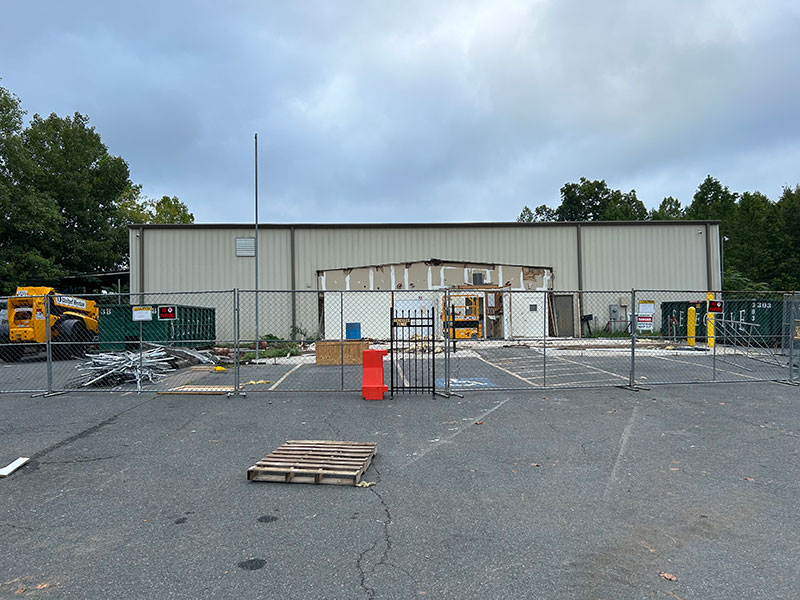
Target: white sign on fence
142,313
647,307
644,322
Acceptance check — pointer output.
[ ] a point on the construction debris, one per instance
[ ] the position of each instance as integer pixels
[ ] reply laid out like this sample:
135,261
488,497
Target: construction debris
149,366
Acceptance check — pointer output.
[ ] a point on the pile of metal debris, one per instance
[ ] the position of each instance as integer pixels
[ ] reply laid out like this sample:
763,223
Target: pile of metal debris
149,366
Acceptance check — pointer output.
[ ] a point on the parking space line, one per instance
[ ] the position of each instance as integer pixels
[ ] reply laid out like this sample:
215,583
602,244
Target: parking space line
623,444
402,375
719,369
507,358
284,376
581,383
520,377
449,438
598,369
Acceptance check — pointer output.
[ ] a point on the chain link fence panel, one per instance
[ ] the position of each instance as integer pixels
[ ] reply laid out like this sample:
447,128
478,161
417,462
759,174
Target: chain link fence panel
483,338
681,339
528,339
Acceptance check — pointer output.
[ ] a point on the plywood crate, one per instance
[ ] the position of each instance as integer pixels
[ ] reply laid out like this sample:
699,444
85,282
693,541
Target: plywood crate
330,352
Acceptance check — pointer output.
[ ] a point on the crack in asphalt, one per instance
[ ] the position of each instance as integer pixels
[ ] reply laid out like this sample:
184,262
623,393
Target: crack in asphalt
22,527
386,539
76,461
34,463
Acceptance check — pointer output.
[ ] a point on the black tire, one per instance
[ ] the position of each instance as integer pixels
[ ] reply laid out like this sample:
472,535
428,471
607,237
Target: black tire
82,338
72,340
11,352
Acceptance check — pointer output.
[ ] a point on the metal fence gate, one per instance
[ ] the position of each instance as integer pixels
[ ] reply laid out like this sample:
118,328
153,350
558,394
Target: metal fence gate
412,351
460,339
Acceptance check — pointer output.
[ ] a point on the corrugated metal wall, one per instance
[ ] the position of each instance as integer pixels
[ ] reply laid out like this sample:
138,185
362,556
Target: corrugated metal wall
338,248
613,256
196,259
652,257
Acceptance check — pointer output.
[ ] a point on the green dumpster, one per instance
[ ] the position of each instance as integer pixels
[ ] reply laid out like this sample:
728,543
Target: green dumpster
674,318
170,325
761,319
766,317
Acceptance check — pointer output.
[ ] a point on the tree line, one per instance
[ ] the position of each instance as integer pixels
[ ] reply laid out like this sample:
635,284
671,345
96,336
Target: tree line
761,237
65,202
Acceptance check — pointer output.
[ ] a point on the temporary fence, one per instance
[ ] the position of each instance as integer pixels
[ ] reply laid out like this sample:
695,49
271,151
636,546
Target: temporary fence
467,338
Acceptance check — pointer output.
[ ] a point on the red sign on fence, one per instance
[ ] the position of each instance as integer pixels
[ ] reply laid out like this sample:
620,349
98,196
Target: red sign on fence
715,306
644,322
167,313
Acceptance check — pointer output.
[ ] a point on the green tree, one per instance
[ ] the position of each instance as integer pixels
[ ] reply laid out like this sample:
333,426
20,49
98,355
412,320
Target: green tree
135,208
170,210
69,164
624,207
65,202
669,209
712,201
584,201
786,236
748,251
542,213
28,218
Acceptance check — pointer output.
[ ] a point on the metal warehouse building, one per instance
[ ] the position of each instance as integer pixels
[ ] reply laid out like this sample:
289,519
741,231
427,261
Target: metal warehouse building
319,260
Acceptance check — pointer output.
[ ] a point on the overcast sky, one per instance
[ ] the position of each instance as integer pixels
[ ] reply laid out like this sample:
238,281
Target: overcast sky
419,111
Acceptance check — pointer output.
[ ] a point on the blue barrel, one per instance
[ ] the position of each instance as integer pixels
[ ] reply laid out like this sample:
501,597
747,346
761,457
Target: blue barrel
352,331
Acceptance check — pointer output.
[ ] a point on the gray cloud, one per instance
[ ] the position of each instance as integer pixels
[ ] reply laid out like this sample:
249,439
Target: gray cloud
419,111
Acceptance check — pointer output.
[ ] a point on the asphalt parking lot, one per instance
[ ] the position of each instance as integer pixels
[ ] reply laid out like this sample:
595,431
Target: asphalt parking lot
556,494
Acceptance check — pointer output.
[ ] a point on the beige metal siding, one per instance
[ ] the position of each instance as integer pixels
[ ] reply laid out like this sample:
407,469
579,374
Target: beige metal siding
716,267
614,257
645,257
321,249
205,259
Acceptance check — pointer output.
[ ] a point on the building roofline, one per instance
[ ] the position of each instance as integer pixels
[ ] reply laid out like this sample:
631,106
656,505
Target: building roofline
511,224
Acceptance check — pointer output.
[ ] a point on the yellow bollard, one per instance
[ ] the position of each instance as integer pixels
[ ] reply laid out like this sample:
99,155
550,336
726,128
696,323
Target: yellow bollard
690,324
709,322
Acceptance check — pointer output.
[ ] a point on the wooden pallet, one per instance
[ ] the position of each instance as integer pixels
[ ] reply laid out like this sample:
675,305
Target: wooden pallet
315,461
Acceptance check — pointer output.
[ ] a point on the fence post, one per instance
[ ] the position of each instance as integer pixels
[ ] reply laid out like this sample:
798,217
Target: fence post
391,349
433,350
544,341
632,381
713,346
49,345
141,348
258,336
791,338
341,335
236,344
445,338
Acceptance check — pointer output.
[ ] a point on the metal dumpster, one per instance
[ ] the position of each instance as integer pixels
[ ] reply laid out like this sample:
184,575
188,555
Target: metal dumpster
171,325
